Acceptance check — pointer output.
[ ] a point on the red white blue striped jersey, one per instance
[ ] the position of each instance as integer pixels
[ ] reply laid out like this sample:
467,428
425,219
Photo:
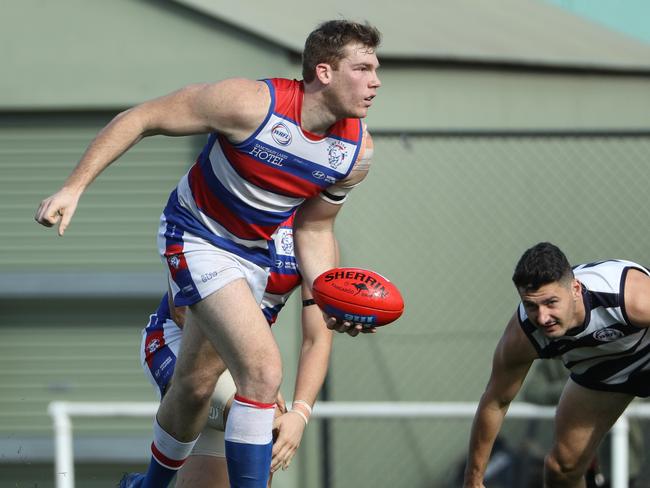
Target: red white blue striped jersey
236,195
606,352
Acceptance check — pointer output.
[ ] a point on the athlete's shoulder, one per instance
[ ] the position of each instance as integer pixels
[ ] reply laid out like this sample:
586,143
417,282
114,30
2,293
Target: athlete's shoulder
284,84
237,105
605,275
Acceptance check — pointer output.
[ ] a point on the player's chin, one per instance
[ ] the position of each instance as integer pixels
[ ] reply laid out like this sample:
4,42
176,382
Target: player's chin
361,113
358,112
553,331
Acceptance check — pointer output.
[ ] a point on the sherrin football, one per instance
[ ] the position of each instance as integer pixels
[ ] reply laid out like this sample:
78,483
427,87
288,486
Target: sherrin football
358,295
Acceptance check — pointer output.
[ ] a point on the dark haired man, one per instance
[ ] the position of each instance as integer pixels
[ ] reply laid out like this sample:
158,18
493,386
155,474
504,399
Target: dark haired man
276,145
595,318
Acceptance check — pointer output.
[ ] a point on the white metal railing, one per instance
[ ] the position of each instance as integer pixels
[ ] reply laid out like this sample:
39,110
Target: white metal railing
62,412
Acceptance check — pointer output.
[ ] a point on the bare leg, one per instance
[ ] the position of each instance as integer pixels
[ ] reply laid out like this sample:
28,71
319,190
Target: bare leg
184,408
583,417
203,472
231,322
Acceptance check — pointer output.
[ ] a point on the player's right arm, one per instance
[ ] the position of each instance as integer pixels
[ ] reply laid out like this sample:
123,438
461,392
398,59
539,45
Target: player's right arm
512,359
233,107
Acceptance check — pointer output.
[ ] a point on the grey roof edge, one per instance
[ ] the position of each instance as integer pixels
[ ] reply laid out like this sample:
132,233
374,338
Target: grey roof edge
435,57
204,8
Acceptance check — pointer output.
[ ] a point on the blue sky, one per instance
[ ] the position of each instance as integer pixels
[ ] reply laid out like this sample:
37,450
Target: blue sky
631,17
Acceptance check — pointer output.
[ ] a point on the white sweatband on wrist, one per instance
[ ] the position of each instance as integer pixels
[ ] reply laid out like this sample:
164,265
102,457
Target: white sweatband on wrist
303,403
302,415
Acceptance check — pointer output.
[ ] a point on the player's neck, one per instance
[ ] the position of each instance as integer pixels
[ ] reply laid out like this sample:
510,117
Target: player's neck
316,116
580,313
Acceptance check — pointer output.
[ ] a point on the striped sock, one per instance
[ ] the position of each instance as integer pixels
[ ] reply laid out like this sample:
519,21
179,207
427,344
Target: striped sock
167,457
249,442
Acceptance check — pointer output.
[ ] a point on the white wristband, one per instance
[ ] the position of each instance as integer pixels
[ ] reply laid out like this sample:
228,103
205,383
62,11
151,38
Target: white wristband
302,415
303,403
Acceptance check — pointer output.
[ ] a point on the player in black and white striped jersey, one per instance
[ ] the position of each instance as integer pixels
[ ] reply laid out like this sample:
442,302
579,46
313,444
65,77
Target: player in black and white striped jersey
595,318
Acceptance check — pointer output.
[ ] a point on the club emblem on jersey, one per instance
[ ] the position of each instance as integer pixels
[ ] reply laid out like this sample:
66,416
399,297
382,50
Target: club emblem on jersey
287,243
174,261
153,346
336,153
607,335
281,134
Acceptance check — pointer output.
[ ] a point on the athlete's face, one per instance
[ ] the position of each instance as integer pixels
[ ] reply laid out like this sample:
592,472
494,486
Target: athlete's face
354,82
554,308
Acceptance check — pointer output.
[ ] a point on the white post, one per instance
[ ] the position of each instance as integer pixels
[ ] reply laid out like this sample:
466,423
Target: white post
620,452
63,447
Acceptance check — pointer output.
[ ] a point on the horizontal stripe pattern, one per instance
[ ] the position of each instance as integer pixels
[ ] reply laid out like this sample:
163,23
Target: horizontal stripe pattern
241,193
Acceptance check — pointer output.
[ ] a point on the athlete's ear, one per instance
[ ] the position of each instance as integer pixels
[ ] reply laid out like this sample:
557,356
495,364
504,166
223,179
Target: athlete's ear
576,289
324,73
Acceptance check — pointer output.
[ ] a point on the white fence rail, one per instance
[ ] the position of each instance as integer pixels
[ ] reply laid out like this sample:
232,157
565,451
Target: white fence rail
62,413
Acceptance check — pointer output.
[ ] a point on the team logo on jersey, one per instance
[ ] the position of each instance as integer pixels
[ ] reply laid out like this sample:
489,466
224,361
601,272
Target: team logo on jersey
153,346
174,261
336,153
607,335
287,243
281,134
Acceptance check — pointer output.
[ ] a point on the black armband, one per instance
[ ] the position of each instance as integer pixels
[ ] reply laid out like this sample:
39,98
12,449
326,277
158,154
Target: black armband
308,302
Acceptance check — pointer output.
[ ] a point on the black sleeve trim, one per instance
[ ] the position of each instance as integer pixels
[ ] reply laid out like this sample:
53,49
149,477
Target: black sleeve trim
336,198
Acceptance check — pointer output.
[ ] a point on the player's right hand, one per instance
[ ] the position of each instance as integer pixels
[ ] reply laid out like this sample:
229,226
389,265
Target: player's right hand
351,328
59,208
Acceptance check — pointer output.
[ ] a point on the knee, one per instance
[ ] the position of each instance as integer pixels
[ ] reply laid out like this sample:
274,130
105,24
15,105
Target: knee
196,389
261,382
562,471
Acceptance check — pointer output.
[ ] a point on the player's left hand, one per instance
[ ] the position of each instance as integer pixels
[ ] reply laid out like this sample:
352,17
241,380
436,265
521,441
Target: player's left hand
351,328
290,428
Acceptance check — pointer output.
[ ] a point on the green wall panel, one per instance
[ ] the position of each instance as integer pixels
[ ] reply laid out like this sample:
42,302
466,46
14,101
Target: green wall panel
93,54
116,222
73,350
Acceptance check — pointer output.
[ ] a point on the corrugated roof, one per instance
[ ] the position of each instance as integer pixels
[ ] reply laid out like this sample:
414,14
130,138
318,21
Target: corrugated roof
498,31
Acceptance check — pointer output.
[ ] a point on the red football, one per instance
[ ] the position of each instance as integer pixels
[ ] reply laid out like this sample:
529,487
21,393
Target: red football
358,295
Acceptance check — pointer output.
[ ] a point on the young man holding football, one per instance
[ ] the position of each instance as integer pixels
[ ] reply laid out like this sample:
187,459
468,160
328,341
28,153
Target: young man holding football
161,341
276,145
595,318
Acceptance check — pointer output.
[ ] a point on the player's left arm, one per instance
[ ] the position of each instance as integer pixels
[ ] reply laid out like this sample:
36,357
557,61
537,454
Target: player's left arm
312,369
316,250
637,298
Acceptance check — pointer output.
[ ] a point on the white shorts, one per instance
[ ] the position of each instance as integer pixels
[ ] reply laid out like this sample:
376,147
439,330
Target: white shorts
197,268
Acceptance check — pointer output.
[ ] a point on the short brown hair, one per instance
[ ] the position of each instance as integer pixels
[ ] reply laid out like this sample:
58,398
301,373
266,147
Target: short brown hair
326,43
542,264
